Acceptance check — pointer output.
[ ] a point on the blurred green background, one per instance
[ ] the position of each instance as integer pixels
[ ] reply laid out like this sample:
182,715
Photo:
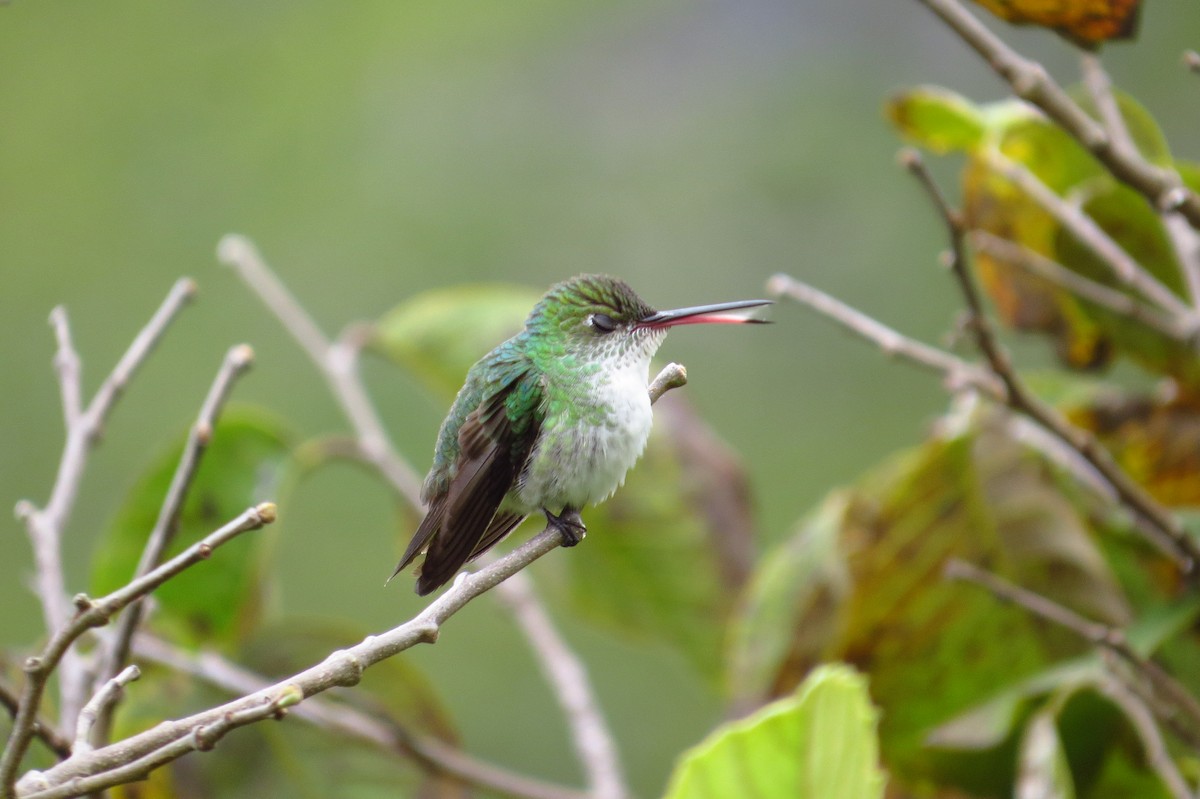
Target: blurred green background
377,149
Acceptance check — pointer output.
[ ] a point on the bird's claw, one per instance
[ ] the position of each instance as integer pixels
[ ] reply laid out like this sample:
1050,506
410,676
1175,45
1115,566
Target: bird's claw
569,524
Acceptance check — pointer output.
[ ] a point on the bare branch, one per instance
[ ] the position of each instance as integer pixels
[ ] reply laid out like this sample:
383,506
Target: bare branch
94,613
1191,60
236,362
1118,302
55,741
1165,687
135,756
673,375
45,526
329,714
1030,81
1084,229
567,674
108,695
1183,548
1153,745
337,362
957,373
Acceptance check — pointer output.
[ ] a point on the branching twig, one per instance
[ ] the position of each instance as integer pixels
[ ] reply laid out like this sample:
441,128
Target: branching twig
338,362
956,372
1166,688
108,695
1153,745
1084,229
567,674
135,756
1030,81
94,613
45,525
1118,302
237,361
1020,399
329,714
55,741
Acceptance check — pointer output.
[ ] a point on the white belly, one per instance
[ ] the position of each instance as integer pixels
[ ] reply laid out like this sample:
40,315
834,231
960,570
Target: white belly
592,434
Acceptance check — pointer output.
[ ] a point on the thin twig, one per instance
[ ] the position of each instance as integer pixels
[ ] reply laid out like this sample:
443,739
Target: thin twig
45,525
1184,240
1116,301
1084,229
1153,745
337,362
329,714
957,372
94,613
1110,639
108,695
1191,60
1020,399
568,675
1030,81
237,360
135,756
55,741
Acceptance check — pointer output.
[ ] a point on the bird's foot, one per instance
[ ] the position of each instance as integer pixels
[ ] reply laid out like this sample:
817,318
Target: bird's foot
569,525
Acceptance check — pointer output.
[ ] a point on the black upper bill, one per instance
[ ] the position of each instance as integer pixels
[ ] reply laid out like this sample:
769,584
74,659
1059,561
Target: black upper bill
739,312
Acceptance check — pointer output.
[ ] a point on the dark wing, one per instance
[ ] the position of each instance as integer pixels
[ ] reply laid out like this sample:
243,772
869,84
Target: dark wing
493,444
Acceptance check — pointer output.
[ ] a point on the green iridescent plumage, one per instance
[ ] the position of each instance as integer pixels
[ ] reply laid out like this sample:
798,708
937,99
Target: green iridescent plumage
549,420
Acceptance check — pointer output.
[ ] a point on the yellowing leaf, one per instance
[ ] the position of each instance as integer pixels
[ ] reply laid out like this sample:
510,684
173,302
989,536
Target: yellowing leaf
1088,23
936,118
816,744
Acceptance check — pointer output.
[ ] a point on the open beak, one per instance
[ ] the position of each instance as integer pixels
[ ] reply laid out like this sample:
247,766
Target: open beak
729,313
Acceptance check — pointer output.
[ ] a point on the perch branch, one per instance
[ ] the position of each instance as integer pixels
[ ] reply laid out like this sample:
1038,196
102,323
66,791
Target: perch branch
133,757
45,525
338,362
1166,688
236,362
327,713
1020,399
95,613
1191,60
1030,81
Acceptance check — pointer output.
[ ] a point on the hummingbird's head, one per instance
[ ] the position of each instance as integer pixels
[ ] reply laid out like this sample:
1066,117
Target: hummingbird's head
600,317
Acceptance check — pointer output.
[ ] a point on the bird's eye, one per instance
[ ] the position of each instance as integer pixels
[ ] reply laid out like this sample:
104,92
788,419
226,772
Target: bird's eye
602,322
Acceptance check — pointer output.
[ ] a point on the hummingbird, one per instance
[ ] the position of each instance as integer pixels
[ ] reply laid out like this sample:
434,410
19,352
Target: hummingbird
550,421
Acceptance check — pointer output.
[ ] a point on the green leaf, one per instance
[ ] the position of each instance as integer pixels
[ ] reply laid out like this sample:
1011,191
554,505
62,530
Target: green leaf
816,744
936,118
861,582
219,600
439,335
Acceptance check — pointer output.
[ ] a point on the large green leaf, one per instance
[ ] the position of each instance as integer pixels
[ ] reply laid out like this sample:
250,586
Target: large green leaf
219,600
861,581
937,118
816,744
438,335
667,555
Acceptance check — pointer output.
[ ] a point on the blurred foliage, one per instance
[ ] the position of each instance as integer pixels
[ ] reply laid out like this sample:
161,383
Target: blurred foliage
1087,23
